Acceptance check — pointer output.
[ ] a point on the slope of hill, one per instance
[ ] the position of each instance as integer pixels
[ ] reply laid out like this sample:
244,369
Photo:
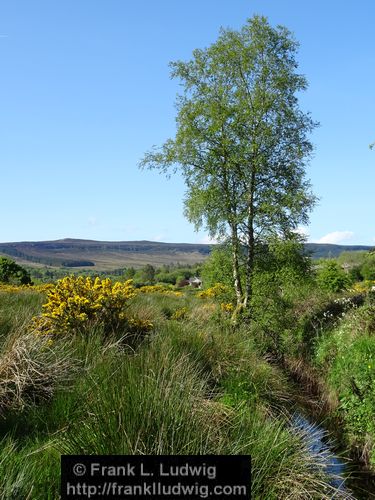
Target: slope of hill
327,250
109,255
104,255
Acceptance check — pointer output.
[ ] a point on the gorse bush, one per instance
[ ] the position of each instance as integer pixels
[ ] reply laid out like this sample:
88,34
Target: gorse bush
161,289
363,286
180,313
227,307
218,291
76,304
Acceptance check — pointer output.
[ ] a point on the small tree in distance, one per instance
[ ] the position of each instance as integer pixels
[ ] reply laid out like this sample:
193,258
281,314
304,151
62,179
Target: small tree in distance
148,274
242,142
10,272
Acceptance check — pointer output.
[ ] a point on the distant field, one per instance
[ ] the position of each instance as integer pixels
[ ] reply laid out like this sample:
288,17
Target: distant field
109,255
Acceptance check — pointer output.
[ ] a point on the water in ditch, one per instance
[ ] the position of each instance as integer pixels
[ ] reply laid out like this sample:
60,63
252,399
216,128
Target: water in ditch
341,472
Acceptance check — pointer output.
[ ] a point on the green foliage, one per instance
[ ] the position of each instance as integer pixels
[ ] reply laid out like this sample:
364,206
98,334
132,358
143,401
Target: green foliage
355,274
10,272
218,267
163,277
282,274
194,388
147,274
171,274
242,141
174,274
361,265
352,259
346,356
129,273
286,260
332,277
77,263
280,267
368,267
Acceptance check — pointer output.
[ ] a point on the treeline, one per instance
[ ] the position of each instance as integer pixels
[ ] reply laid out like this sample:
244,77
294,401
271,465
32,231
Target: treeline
15,253
360,265
171,274
348,269
78,263
331,274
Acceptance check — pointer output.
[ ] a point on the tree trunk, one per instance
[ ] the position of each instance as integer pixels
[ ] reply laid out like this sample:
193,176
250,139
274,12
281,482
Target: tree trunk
236,266
249,265
250,244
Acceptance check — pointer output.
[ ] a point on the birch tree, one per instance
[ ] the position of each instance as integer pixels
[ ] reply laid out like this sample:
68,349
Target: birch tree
241,142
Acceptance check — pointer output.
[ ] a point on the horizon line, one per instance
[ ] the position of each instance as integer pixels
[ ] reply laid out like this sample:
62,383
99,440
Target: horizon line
168,243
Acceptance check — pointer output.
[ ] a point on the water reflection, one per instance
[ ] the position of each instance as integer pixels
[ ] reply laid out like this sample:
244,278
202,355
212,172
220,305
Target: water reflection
316,441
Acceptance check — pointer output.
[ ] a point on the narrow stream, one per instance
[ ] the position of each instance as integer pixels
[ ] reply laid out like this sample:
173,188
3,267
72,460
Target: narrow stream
338,469
315,439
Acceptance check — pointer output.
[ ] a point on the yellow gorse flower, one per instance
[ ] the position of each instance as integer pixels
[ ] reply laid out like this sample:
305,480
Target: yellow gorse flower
180,314
216,291
161,289
363,286
10,288
75,303
227,307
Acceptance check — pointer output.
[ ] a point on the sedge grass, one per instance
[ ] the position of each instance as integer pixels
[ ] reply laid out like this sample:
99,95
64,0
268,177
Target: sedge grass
17,309
177,393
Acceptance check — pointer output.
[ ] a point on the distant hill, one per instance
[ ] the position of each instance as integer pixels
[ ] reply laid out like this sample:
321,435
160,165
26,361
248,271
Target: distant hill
109,255
104,255
326,250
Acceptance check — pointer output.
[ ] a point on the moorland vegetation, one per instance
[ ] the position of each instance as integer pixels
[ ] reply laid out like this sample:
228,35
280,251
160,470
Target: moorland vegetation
93,365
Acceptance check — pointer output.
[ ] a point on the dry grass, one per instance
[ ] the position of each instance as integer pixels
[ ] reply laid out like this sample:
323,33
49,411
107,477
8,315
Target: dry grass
31,366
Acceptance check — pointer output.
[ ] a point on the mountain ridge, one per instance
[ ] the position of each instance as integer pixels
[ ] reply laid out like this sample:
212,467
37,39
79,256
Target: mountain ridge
106,255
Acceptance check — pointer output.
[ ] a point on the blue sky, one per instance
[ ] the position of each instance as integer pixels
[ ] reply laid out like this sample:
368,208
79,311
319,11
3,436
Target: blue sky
85,91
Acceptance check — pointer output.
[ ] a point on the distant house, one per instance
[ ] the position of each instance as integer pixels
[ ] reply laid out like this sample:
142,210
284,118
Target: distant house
195,282
183,283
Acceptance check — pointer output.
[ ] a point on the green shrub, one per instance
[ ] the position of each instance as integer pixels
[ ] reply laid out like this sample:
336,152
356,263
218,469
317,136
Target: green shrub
10,272
368,267
218,268
346,355
332,277
282,276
